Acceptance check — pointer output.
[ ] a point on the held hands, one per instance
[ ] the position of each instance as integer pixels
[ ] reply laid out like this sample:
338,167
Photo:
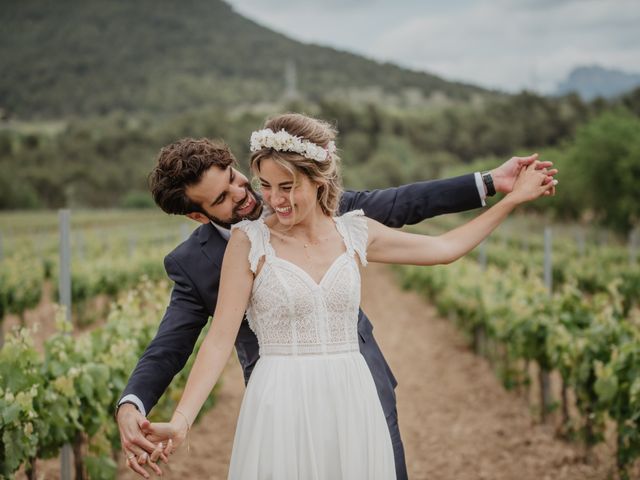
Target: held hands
145,443
504,177
141,453
530,184
171,434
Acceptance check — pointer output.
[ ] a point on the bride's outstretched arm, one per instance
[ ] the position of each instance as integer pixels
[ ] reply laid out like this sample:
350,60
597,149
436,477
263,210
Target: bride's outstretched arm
392,246
236,282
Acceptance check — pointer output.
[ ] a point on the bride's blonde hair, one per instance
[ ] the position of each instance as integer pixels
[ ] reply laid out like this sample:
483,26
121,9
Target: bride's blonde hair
325,173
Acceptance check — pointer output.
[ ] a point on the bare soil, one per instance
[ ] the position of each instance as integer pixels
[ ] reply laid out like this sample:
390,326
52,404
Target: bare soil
41,318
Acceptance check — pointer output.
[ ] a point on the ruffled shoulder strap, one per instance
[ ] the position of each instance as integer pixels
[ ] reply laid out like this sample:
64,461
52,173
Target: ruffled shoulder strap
353,228
258,234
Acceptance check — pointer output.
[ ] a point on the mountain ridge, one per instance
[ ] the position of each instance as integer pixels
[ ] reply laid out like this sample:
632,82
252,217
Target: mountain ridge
83,58
594,81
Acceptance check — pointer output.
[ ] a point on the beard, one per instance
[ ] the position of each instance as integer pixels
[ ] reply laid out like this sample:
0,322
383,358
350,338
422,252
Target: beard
235,216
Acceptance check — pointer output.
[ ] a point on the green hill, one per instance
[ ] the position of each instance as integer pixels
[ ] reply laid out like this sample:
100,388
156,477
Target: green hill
73,57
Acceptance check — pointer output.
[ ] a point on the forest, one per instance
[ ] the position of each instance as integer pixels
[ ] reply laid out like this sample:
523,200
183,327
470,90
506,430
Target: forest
104,161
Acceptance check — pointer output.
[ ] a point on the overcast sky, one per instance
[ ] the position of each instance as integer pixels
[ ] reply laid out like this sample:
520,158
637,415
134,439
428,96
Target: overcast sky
504,44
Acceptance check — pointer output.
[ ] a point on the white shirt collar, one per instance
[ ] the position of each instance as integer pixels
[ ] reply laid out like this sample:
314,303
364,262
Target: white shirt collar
226,233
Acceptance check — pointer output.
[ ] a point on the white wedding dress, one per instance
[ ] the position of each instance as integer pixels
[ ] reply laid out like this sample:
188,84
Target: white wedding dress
311,410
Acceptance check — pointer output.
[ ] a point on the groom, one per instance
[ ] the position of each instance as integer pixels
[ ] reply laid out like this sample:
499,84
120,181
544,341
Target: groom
198,178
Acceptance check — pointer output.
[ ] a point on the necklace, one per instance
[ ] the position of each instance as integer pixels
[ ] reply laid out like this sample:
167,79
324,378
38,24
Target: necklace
306,244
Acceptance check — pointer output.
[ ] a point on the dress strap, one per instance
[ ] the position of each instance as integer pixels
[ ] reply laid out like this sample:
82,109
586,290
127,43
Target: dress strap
258,234
353,228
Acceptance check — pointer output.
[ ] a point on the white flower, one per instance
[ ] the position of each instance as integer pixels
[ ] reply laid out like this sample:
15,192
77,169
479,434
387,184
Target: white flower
283,141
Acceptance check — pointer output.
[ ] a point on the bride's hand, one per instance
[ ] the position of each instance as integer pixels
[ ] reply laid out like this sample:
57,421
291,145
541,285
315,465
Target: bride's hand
171,434
530,184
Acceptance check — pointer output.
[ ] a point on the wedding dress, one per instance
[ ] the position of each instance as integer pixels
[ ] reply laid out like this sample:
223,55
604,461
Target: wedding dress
310,410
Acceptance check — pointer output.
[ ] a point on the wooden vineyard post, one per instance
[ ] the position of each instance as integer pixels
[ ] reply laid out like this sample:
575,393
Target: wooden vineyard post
64,283
544,377
548,263
479,334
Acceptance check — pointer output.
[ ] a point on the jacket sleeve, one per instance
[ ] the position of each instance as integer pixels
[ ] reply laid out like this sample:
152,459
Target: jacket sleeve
412,203
169,351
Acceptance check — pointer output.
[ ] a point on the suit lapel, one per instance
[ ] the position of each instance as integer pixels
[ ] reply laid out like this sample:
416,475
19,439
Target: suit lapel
212,244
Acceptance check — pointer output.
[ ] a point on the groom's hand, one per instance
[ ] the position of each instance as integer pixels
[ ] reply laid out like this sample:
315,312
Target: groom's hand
504,177
136,447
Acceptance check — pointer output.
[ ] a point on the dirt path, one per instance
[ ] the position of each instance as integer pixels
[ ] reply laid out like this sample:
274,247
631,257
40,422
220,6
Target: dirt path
457,421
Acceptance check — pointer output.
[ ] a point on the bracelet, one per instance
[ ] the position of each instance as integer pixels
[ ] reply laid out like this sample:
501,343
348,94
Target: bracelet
188,428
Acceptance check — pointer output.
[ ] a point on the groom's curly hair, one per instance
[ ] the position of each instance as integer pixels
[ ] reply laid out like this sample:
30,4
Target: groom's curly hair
182,164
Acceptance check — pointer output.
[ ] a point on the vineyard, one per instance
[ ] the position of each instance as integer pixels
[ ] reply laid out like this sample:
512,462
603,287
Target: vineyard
579,318
64,391
581,325
548,307
110,251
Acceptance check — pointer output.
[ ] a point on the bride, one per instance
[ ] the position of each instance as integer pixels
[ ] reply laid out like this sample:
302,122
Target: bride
311,410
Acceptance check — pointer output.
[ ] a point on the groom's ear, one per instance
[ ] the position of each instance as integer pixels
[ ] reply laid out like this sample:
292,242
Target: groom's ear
198,217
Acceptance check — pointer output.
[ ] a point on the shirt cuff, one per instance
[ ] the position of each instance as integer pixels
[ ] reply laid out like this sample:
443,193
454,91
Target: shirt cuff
135,400
480,186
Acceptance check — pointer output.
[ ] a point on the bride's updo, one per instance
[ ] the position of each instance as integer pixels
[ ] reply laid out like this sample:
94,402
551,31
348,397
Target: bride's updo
325,172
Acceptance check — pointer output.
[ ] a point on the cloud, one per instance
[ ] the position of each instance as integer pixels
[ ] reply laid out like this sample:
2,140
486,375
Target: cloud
501,44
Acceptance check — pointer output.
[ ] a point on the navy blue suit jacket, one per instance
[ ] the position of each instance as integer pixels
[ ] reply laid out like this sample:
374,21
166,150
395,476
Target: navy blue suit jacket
195,265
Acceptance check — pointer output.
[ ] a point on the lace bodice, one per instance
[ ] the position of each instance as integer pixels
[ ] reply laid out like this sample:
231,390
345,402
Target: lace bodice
289,312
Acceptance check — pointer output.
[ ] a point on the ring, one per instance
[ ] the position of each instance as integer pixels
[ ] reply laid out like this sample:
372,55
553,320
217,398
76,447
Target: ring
130,456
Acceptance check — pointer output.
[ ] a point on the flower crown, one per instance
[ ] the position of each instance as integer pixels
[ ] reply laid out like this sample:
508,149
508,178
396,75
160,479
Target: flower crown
283,141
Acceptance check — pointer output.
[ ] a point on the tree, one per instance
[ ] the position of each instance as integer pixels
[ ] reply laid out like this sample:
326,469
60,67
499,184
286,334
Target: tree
604,161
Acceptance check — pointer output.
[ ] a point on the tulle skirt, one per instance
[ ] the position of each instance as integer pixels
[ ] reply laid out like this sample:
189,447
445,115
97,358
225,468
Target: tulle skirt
312,417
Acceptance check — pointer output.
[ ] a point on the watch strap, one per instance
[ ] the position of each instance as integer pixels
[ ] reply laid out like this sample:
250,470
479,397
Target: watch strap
487,179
